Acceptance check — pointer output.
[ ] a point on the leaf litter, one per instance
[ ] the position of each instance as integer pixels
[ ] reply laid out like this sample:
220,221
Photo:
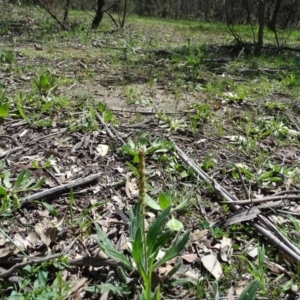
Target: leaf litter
49,223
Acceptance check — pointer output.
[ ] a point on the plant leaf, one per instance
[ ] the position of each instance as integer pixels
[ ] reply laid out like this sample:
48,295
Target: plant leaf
164,200
151,203
4,109
22,178
183,203
137,253
155,229
177,246
108,248
6,181
174,224
250,291
51,209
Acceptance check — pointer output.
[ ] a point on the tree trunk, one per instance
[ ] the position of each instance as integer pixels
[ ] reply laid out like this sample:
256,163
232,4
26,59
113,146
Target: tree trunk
248,12
67,6
261,24
272,22
99,14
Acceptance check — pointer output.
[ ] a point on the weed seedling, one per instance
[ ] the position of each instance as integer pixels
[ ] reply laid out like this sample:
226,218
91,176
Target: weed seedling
146,244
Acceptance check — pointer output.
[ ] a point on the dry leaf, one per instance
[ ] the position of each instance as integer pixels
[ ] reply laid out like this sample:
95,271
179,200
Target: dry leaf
131,186
212,265
8,250
226,248
230,293
198,234
102,150
20,242
190,257
47,234
77,285
244,215
2,239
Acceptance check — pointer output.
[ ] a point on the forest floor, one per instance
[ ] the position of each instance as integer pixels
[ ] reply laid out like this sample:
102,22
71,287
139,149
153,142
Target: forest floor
216,124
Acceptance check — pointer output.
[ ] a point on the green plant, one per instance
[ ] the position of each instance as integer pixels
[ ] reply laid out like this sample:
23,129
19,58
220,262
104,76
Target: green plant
83,220
9,191
7,56
44,84
164,201
258,272
249,293
36,284
290,81
107,115
156,147
4,104
146,244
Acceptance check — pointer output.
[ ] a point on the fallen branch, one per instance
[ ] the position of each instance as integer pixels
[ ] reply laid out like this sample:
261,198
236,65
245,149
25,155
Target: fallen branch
84,261
273,235
60,189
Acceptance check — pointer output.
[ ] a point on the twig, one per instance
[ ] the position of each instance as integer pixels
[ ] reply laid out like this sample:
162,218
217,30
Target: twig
266,199
60,189
243,183
32,260
52,15
8,152
109,132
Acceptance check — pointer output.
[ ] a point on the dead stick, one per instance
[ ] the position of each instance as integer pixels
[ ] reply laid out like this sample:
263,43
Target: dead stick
266,199
60,189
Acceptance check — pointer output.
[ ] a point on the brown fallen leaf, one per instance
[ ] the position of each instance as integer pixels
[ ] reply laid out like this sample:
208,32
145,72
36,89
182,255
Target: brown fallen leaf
191,258
198,234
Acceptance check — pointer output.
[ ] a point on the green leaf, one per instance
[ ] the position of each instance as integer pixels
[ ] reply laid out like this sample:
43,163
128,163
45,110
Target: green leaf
157,295
275,179
22,178
16,296
2,164
104,287
137,253
38,184
108,248
265,175
46,106
174,224
101,107
161,241
107,116
6,180
177,246
155,229
174,269
4,109
216,290
151,203
51,209
164,200
21,112
250,291
183,204
3,192
176,282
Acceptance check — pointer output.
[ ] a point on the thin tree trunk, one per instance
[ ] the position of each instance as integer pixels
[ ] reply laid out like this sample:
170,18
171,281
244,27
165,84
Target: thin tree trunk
99,14
261,24
67,6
